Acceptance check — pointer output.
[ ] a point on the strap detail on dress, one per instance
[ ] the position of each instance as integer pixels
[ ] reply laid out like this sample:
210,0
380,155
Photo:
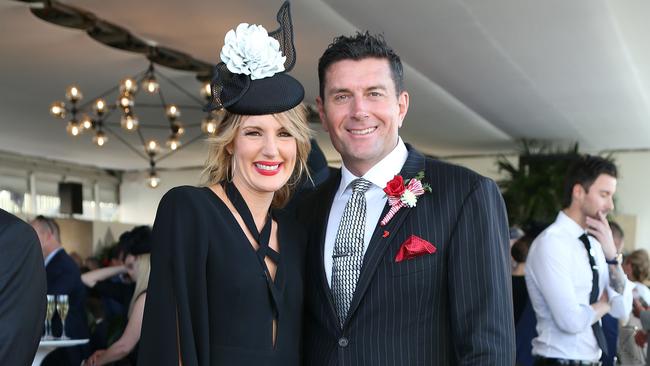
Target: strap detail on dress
262,239
237,200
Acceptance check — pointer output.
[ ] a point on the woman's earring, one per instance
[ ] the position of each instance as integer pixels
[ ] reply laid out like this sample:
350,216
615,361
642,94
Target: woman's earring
231,168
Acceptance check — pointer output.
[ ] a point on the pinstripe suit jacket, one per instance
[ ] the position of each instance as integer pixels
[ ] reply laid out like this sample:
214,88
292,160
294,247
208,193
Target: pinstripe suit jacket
452,307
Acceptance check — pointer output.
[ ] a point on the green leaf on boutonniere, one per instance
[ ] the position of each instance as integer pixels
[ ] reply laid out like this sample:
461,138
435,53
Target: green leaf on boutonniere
426,187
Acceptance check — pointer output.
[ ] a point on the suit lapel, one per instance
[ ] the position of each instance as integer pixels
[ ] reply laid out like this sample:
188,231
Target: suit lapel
320,230
378,244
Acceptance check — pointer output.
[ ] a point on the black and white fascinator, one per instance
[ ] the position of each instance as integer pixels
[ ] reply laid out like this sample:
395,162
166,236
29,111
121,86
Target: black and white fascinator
252,78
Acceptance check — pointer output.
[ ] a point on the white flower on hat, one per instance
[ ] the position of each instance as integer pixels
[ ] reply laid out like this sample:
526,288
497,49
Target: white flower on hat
251,51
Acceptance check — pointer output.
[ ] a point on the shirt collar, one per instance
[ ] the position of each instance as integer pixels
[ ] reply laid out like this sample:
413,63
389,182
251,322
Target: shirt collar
380,173
569,225
51,255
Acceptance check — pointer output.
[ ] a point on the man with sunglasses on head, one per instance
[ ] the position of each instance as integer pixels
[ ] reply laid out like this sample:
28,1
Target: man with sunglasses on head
63,278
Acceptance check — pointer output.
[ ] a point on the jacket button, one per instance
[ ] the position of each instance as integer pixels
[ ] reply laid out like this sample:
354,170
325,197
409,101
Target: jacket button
343,342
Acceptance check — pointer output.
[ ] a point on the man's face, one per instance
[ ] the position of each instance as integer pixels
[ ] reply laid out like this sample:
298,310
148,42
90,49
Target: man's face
361,111
599,197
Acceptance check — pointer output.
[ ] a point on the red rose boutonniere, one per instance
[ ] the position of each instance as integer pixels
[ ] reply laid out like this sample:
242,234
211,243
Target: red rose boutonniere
403,194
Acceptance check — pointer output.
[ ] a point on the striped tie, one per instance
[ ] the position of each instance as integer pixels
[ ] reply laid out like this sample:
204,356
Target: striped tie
348,249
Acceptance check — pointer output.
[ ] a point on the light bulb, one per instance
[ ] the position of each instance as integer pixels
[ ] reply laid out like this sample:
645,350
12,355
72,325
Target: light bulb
173,112
73,94
86,122
100,138
173,142
206,91
57,109
128,85
209,125
153,180
73,128
125,101
129,122
152,147
150,84
100,107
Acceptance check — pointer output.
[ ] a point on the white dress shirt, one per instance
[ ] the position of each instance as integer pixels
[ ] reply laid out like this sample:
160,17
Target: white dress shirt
559,281
378,175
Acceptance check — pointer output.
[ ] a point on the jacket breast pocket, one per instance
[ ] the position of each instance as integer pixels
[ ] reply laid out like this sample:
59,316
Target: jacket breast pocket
414,266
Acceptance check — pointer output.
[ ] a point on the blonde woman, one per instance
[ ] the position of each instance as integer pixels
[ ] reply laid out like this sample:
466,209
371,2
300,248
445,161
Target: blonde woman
137,266
226,284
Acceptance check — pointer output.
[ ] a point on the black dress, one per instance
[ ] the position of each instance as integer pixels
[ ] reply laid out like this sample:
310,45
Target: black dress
208,281
519,296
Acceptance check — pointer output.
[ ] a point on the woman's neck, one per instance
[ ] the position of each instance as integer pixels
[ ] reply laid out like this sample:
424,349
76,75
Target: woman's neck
519,269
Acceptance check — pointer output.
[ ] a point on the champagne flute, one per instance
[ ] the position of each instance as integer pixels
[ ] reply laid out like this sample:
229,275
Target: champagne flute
62,308
49,313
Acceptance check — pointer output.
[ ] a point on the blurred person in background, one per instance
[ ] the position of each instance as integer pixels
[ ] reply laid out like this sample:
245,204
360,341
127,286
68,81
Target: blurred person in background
63,278
137,266
519,252
573,272
632,341
91,263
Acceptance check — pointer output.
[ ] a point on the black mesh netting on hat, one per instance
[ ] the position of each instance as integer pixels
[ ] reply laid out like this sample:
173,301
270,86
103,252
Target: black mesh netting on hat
227,88
284,35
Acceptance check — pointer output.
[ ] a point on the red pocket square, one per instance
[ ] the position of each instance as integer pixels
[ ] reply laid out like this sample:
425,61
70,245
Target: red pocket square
413,247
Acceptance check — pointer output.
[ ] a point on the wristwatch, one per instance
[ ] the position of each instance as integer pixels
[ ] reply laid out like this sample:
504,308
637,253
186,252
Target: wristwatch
616,260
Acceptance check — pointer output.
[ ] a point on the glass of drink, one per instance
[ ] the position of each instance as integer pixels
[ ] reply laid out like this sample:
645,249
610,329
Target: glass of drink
49,313
62,308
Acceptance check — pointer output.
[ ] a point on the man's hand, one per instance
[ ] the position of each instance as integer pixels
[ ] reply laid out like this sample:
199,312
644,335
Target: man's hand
599,228
601,307
604,297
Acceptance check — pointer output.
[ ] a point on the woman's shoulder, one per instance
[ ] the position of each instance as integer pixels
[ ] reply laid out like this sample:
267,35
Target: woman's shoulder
186,197
183,193
187,204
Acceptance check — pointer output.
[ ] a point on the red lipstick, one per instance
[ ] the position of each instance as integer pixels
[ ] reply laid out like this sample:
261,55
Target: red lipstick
267,172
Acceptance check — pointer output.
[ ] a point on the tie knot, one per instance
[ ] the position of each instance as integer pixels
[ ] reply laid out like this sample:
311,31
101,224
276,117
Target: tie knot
360,185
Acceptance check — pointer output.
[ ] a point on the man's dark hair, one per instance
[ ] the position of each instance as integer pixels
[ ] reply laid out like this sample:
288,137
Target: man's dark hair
359,47
584,171
50,225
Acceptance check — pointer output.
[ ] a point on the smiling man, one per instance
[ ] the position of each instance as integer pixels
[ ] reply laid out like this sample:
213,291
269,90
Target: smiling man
408,257
573,272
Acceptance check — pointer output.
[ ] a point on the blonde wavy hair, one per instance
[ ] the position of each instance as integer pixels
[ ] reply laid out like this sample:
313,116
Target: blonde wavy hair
219,165
143,263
